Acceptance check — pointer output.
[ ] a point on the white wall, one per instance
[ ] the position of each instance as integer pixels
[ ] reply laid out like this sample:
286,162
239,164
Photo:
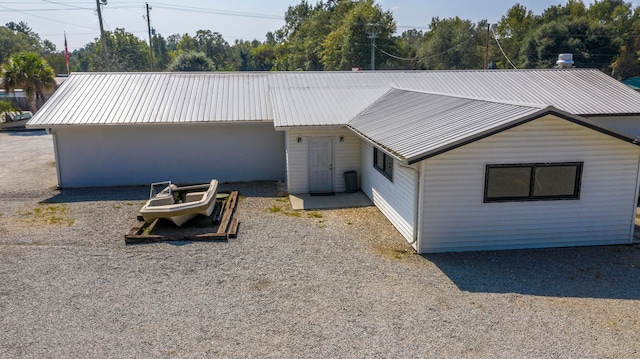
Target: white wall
346,157
395,199
455,218
625,124
128,155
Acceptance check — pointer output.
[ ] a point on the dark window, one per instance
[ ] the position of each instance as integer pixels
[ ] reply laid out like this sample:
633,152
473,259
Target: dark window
531,182
383,163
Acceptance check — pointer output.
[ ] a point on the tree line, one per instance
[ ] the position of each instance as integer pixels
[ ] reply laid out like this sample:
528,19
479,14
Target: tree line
342,34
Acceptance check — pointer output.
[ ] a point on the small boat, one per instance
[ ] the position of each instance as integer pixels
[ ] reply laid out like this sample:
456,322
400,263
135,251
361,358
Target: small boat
15,121
179,204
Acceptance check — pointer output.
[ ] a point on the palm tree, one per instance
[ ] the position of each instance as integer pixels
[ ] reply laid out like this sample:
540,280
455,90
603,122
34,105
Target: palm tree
29,71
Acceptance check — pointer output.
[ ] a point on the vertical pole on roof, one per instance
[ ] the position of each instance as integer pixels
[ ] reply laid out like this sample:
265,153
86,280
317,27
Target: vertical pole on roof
150,43
105,54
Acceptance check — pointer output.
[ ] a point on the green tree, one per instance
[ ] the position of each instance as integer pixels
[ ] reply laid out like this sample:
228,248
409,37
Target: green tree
192,61
12,41
451,44
592,45
126,53
348,45
215,47
30,72
512,29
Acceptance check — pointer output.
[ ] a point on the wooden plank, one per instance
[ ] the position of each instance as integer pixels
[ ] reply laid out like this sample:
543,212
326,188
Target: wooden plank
207,236
227,215
233,229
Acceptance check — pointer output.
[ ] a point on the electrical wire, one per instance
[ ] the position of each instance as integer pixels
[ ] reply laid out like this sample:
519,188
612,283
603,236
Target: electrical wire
501,50
46,18
394,56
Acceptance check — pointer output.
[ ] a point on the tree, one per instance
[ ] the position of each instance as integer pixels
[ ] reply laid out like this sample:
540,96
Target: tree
30,72
126,53
215,47
451,44
192,61
13,41
348,45
513,28
592,45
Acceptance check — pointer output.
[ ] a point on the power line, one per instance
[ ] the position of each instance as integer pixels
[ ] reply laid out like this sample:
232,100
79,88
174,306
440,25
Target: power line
216,11
501,50
394,56
46,18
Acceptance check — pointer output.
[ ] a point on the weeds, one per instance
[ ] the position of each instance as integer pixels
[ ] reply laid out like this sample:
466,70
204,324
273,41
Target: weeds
275,209
315,214
48,215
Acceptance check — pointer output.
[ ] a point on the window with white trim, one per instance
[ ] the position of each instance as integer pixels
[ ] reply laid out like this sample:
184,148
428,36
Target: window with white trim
532,182
383,163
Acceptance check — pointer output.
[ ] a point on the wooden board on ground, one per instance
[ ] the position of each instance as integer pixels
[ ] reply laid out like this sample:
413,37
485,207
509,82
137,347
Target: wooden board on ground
221,225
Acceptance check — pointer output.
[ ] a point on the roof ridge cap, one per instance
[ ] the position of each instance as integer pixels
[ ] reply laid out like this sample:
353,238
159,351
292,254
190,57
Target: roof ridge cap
472,98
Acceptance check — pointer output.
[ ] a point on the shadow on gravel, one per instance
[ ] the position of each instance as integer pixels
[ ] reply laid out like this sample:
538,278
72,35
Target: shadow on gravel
611,272
94,194
141,193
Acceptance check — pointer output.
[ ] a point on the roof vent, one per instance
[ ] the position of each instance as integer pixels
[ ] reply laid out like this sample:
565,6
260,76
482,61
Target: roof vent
565,61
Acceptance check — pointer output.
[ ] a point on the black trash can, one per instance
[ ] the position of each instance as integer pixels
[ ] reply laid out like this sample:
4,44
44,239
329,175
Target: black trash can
351,181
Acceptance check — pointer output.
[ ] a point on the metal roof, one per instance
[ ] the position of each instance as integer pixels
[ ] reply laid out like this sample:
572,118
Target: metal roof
416,125
141,98
292,99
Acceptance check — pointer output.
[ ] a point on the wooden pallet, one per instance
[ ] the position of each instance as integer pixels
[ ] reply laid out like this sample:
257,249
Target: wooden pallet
223,216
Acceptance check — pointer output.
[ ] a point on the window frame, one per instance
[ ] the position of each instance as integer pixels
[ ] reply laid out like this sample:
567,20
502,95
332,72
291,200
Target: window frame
532,180
387,163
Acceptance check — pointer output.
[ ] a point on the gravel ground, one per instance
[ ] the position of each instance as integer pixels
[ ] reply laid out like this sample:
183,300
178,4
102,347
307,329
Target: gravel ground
330,284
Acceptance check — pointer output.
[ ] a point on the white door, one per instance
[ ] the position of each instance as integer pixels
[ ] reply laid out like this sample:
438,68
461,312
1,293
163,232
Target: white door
320,165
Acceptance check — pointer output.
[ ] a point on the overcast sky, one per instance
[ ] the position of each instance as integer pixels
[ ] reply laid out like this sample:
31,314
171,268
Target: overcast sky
239,19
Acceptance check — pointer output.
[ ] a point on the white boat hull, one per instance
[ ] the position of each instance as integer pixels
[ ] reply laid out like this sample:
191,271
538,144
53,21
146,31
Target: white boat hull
196,203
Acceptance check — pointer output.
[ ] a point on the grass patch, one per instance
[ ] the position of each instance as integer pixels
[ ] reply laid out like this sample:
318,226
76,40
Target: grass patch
48,214
117,206
275,209
315,214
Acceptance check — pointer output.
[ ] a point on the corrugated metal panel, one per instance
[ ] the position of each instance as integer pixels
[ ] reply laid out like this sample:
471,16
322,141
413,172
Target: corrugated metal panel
396,198
138,98
312,98
410,124
455,217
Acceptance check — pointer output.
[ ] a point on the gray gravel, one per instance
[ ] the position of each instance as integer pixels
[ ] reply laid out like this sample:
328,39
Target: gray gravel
330,284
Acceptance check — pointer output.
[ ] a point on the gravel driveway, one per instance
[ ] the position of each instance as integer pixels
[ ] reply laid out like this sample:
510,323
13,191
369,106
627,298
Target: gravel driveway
329,284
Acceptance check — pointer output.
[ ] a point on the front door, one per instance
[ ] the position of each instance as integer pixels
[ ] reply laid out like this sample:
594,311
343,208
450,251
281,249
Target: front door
320,165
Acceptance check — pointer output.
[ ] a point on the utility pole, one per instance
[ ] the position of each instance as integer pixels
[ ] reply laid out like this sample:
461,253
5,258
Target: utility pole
150,43
373,35
486,48
105,53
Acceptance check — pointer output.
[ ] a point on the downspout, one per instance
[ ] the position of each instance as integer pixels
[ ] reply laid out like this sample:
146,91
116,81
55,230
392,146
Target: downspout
635,203
416,202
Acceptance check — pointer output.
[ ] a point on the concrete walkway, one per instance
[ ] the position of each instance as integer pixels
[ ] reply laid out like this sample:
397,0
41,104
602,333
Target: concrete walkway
339,200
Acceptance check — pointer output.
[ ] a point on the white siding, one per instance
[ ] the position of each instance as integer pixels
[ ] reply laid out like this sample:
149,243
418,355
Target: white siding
131,155
396,200
346,157
625,124
454,217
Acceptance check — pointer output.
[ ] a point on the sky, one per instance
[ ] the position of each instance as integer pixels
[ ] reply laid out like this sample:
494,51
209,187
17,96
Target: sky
240,19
